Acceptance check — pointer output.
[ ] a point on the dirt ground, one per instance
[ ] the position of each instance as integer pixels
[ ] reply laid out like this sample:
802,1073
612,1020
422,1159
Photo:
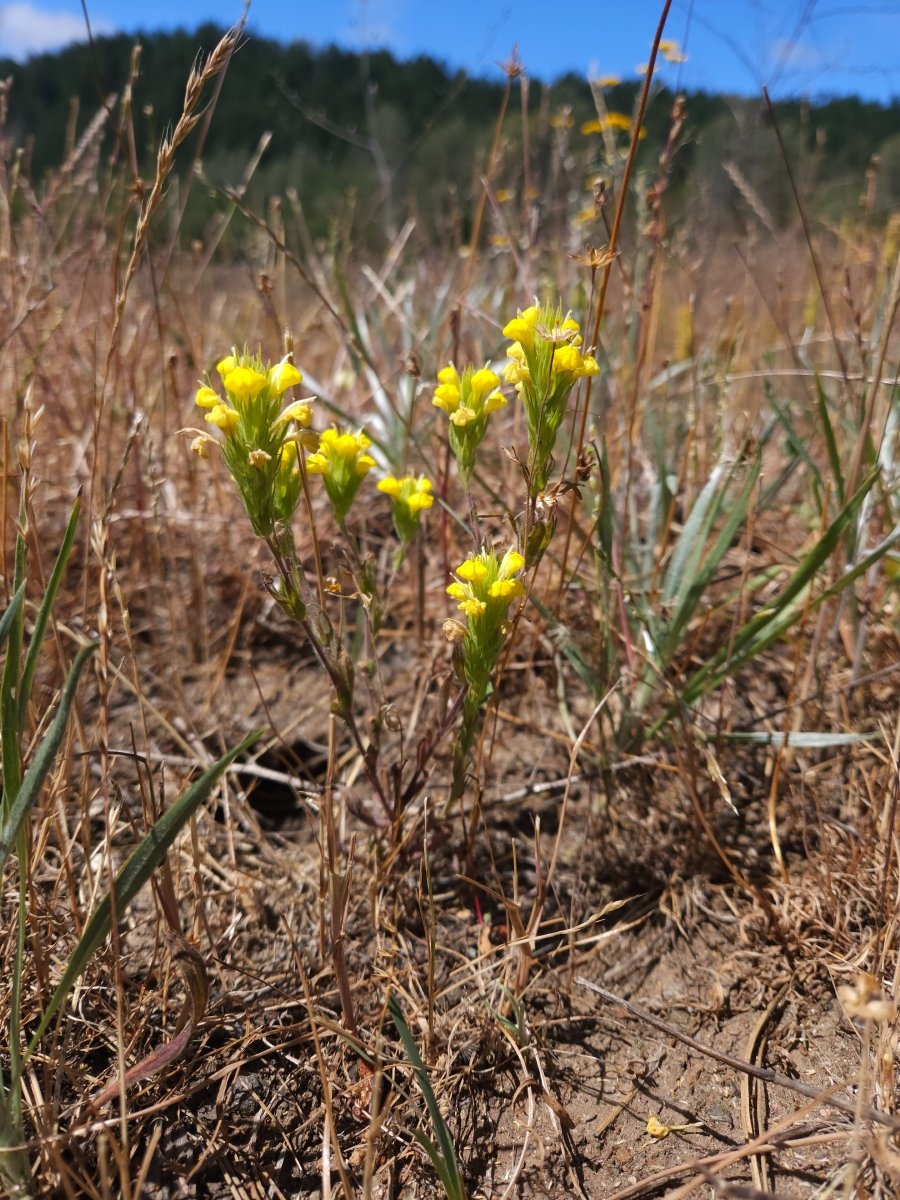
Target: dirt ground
665,893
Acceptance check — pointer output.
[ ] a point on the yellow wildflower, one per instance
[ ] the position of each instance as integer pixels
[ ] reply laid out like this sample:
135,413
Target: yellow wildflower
545,360
244,383
468,400
342,462
410,496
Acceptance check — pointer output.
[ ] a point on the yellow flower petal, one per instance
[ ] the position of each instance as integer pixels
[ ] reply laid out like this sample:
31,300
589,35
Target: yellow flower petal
283,376
207,398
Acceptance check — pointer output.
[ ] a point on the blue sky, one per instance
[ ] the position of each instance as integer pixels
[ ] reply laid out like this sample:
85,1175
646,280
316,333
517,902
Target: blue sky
795,47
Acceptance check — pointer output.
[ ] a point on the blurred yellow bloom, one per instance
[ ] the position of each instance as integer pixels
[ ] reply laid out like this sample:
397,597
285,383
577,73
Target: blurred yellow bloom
608,81
410,496
244,383
207,397
672,52
224,417
283,375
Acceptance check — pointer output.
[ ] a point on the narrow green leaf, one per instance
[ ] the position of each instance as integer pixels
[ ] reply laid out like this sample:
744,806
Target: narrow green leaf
144,860
20,804
43,616
11,615
831,446
446,1155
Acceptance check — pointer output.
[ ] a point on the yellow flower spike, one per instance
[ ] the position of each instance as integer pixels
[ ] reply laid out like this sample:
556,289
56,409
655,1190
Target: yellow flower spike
283,375
243,383
410,496
207,397
224,418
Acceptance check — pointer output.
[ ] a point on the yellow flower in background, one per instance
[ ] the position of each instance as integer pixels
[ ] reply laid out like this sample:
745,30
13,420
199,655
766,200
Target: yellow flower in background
468,400
410,496
608,81
672,52
342,462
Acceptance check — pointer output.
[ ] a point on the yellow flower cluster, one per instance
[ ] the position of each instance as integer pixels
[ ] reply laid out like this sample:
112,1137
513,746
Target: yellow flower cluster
482,583
260,434
545,363
410,496
342,462
484,588
468,400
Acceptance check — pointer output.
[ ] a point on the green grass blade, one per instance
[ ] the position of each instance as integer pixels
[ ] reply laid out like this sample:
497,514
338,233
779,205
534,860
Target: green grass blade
691,588
21,803
131,878
774,620
831,446
444,1157
43,616
11,615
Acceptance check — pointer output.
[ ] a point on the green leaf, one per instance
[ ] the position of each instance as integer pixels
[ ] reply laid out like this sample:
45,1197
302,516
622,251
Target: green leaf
43,616
20,804
131,878
444,1156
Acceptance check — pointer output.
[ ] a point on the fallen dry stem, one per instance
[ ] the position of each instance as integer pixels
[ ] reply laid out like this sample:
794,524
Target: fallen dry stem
765,1074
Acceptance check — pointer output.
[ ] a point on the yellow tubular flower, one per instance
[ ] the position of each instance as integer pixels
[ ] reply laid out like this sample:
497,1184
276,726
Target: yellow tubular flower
207,398
244,383
224,418
283,375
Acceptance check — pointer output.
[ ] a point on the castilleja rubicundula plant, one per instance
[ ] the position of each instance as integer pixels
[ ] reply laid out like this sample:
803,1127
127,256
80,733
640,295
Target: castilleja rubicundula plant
545,363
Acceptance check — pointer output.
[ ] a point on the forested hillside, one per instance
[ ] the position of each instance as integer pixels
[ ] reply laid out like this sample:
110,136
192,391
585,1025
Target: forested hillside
412,137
